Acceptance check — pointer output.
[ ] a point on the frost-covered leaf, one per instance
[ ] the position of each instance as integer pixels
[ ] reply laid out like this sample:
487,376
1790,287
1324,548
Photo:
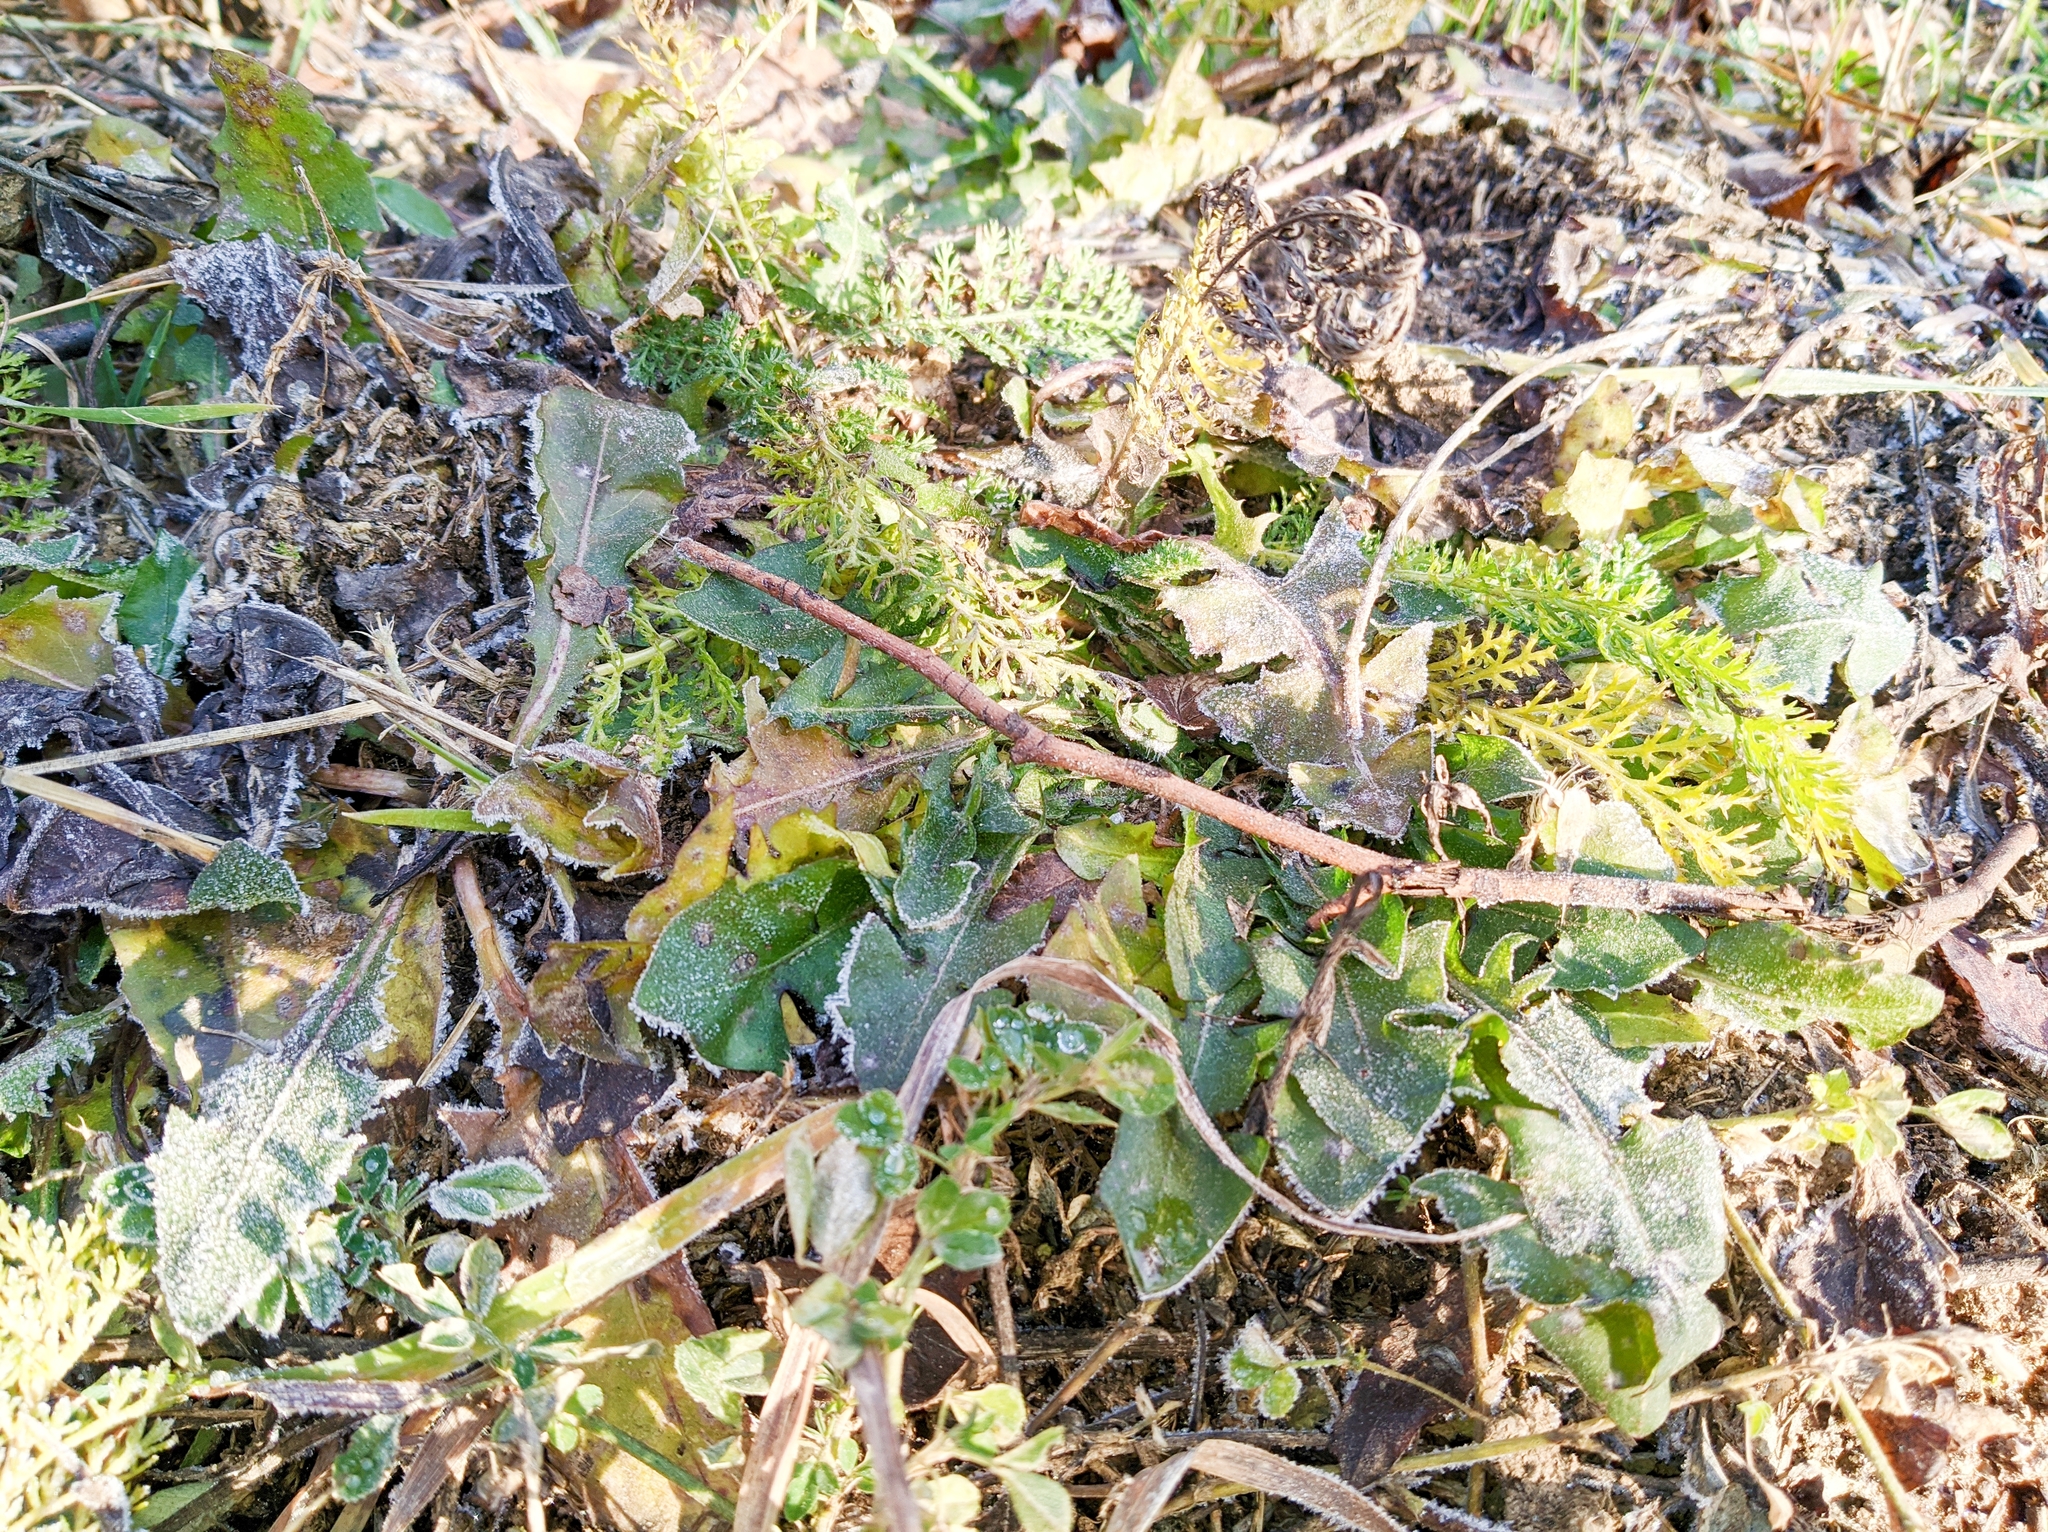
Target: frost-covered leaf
1255,1364
880,694
1092,848
1645,1020
1616,950
25,1076
719,971
894,984
1343,29
785,769
939,870
1620,1244
1356,1107
1207,914
1173,1201
242,878
1768,974
608,474
490,1191
366,1462
558,821
60,641
275,1134
1361,769
1557,1058
1807,613
269,135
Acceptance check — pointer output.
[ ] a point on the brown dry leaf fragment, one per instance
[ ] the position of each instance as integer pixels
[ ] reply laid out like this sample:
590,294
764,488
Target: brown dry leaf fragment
581,599
1180,699
1078,523
1039,876
1869,1260
1934,1425
440,1456
1383,1416
2011,998
1091,35
632,804
1582,259
1890,184
2015,482
1021,17
785,769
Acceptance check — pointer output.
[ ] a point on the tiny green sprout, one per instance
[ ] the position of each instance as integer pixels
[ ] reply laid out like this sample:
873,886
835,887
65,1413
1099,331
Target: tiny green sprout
965,1227
852,1318
1255,1364
1970,1117
875,1121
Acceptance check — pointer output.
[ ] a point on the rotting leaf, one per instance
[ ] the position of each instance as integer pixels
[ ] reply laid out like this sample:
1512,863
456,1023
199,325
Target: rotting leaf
609,474
1768,974
1808,613
269,134
555,821
60,641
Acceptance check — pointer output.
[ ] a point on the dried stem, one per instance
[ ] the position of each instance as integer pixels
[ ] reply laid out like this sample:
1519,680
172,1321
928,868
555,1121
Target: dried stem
871,1394
1125,1331
1029,742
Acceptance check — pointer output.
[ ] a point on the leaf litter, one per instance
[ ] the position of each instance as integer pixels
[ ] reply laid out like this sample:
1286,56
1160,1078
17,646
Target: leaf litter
827,773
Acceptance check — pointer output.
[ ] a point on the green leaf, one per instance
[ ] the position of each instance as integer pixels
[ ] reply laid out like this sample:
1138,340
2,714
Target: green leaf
893,985
1644,1020
1617,950
720,969
1495,768
25,1077
241,877
156,609
1173,1201
965,1227
1356,1107
773,630
366,1462
1092,848
490,1191
275,1135
718,1370
412,209
1556,1058
1365,770
939,870
1255,1364
1970,1117
882,694
459,821
609,475
1807,613
1041,1504
1768,974
142,414
1207,911
1620,1245
271,133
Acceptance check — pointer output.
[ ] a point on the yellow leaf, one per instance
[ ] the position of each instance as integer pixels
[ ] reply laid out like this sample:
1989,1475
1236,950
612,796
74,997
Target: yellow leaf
701,866
1599,496
1602,424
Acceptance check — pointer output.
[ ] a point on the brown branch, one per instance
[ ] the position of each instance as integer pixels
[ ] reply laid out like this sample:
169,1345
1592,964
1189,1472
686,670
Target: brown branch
1919,926
1028,742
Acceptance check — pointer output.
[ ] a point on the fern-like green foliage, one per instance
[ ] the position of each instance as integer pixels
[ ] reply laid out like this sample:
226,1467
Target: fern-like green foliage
21,456
1609,602
1030,315
68,1456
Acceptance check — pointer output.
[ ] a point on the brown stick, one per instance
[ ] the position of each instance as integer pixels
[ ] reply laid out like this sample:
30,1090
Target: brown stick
1919,926
1028,742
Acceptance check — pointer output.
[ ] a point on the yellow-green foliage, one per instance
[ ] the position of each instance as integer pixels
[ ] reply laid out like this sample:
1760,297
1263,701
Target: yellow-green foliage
68,1455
